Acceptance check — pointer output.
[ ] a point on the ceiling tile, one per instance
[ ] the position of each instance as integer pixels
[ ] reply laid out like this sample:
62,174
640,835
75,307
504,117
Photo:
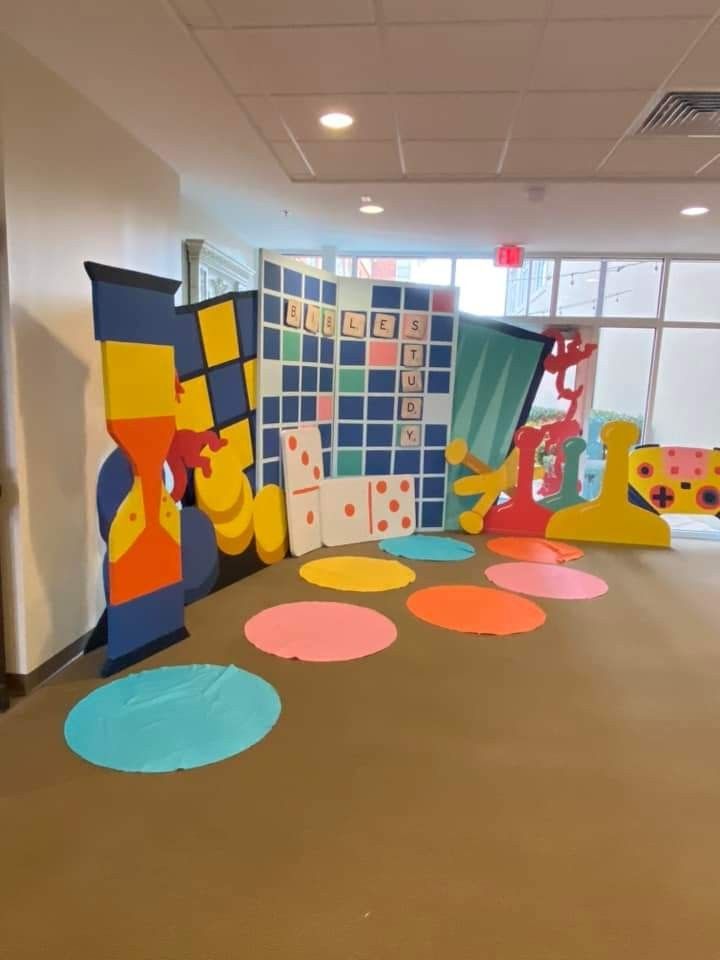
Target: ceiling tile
611,55
712,170
468,57
423,11
661,157
702,67
452,158
617,9
312,60
455,116
582,115
554,158
373,113
196,13
265,116
353,159
291,161
293,13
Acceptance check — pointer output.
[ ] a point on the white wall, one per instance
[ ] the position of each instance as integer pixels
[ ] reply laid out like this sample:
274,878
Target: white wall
77,187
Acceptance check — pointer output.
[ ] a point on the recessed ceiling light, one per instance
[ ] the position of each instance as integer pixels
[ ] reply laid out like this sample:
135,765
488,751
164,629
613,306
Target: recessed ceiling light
694,211
371,208
337,121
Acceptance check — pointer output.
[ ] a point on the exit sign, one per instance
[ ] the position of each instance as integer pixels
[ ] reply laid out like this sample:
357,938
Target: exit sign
509,255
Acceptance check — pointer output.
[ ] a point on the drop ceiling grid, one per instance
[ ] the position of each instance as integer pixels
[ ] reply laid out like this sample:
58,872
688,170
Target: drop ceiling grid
448,90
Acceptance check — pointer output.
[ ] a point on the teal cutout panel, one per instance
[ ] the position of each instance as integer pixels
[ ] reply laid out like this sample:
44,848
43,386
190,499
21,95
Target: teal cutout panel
498,369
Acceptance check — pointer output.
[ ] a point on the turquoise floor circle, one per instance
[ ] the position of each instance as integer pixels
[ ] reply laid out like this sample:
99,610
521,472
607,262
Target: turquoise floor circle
420,546
172,718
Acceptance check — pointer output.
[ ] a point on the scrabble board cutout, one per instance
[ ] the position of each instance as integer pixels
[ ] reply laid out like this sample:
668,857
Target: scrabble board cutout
297,340
393,399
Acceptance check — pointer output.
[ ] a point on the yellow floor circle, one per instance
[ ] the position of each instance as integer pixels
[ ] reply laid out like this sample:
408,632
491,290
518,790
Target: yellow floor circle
358,574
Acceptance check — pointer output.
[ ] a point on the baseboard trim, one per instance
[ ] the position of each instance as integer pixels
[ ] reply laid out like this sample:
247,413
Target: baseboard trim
21,684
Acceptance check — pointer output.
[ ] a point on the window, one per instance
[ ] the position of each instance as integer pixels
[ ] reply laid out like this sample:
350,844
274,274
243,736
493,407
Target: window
578,289
686,410
529,289
308,261
693,294
424,270
344,266
482,286
632,288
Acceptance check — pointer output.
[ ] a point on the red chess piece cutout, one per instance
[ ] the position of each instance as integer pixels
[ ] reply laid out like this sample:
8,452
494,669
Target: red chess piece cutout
521,515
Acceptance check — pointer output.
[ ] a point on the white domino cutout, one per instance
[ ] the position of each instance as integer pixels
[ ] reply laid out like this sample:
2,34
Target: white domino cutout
303,477
355,509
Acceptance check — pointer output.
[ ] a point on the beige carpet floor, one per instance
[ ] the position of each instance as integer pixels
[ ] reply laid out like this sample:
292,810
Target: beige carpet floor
550,796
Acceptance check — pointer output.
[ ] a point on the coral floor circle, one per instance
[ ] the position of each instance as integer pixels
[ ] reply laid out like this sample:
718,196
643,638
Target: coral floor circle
357,574
546,580
534,549
419,546
320,631
470,609
172,718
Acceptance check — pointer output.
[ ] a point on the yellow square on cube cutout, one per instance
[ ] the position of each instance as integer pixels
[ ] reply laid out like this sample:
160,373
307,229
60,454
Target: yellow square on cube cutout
219,333
239,440
194,412
251,382
139,380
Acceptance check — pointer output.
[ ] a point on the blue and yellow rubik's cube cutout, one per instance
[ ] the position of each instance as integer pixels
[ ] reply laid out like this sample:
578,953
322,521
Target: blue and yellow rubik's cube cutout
299,318
216,361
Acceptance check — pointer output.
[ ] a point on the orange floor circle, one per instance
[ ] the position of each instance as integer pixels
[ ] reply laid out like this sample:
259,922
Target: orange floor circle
534,549
470,609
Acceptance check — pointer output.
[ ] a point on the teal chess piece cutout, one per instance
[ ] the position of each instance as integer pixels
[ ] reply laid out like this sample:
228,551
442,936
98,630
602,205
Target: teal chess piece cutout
567,495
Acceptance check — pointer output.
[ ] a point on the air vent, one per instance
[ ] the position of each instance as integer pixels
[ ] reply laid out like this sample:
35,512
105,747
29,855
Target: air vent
694,113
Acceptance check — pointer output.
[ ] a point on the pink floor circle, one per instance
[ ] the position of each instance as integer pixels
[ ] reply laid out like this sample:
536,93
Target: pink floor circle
546,580
319,631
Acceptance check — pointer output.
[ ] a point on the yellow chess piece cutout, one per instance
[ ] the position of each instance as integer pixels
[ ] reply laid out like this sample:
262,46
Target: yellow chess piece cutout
234,535
220,494
612,518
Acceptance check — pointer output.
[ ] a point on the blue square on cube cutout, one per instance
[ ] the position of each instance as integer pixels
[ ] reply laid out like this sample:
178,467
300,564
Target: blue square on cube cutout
435,435
379,435
310,348
350,408
325,435
407,461
389,326
381,408
327,465
227,391
441,328
440,355
377,462
438,382
312,288
386,297
326,379
271,472
350,435
271,409
188,352
246,318
434,461
290,410
417,298
309,379
327,350
271,308
381,381
292,282
329,293
271,343
434,487
308,409
352,353
432,513
250,474
271,442
271,276
290,378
